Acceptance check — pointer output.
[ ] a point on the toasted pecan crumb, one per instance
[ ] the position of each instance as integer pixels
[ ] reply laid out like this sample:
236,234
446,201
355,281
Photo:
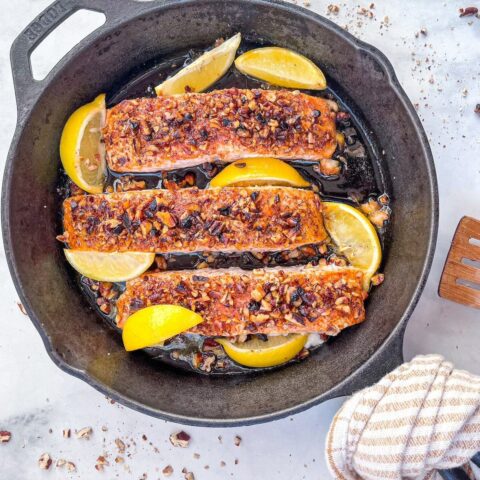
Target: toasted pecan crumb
45,461
101,463
70,466
120,445
333,9
22,308
237,440
377,279
468,11
85,433
167,471
180,439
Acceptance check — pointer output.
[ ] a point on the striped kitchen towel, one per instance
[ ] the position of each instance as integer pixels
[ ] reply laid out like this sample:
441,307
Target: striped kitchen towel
422,417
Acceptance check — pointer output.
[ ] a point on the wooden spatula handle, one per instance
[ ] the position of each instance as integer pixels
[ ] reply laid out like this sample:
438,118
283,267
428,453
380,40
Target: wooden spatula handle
460,280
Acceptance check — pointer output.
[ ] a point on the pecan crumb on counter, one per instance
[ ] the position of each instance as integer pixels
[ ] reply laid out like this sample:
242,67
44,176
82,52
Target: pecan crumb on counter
188,475
468,11
5,436
120,445
332,8
22,308
180,439
70,466
84,433
45,461
101,463
167,471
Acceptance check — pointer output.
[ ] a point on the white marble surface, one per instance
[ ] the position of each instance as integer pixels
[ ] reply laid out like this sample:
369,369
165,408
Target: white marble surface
36,396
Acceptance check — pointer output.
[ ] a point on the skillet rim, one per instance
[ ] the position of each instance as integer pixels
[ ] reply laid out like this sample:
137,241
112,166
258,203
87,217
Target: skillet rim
395,338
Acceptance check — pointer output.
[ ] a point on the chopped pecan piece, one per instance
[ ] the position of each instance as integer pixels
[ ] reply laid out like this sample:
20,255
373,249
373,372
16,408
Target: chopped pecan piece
101,463
45,461
84,433
180,439
167,471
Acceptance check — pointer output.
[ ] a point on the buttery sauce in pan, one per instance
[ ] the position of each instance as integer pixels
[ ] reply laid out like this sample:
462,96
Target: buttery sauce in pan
361,178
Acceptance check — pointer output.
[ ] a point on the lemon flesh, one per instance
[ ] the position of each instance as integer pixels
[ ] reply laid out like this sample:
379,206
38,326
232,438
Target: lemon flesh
354,236
259,354
109,267
82,151
153,325
204,71
258,171
281,67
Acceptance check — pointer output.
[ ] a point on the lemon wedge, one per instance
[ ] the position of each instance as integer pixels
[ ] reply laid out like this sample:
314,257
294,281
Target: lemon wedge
258,171
281,67
109,267
354,236
153,325
81,148
259,354
204,71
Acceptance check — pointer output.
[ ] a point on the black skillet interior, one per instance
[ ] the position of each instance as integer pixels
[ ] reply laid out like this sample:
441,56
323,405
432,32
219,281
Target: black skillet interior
77,339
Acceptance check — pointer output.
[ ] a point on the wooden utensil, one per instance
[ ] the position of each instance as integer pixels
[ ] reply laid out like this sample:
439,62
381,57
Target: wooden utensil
460,280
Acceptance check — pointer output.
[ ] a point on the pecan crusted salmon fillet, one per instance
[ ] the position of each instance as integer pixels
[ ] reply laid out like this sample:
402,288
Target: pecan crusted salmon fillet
269,301
193,220
164,133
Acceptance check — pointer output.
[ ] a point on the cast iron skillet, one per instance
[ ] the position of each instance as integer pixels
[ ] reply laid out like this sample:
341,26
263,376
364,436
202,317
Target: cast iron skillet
75,338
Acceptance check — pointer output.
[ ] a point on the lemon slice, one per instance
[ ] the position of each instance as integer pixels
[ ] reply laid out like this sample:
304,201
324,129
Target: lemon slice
152,325
258,171
204,71
281,67
257,353
81,148
354,236
109,267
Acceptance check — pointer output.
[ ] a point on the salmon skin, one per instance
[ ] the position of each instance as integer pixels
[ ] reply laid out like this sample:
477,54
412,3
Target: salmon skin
165,133
228,219
268,301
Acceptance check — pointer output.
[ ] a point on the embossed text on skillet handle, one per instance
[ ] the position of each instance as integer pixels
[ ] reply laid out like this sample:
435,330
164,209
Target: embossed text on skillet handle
27,89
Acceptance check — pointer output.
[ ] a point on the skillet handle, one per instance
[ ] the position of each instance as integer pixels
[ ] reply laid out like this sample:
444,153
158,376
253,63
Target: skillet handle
27,89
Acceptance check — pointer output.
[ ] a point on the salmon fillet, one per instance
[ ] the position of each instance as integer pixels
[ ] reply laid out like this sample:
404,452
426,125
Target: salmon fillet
165,133
269,301
193,220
